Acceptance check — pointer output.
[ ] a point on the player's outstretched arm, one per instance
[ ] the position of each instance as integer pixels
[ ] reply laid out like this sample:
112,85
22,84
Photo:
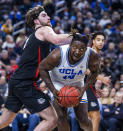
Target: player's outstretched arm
93,67
105,79
57,39
50,62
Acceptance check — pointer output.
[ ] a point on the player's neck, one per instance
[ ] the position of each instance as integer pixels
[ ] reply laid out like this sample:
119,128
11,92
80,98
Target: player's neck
38,26
97,50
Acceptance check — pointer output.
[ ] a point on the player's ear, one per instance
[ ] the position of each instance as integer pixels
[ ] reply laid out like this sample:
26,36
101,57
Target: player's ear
93,41
36,21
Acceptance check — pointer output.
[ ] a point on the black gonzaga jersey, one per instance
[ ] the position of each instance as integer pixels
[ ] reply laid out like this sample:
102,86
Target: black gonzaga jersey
93,104
34,51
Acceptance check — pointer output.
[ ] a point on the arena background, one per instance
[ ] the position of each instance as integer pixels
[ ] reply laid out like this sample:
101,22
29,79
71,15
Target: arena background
87,16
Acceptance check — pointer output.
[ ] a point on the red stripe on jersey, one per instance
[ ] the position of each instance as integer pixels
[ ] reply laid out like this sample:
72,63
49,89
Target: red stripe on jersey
37,72
93,90
39,59
34,83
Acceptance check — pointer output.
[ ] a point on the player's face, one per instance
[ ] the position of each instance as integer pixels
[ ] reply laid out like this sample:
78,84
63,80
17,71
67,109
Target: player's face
44,19
77,50
98,42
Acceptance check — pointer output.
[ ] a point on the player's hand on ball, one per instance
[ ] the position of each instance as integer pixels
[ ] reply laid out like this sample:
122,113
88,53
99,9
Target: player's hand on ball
69,96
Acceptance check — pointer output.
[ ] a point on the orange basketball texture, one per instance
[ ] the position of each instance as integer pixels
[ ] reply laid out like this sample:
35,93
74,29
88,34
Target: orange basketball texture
69,96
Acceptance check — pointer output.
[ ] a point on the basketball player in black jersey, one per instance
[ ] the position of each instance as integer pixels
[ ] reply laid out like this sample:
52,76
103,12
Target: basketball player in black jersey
98,40
23,89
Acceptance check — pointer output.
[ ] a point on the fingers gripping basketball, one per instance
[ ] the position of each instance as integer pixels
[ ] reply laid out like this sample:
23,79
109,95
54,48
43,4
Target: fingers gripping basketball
69,96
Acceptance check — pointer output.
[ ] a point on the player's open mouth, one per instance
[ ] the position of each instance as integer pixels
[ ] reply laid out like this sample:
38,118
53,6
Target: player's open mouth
76,57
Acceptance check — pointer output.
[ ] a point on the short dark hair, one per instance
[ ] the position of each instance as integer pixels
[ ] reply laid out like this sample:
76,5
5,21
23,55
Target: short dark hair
32,14
94,35
78,37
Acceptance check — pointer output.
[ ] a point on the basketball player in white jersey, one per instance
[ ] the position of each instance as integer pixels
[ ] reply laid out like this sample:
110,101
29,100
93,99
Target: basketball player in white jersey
68,65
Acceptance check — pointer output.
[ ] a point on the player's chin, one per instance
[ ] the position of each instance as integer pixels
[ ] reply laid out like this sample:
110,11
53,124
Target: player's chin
100,47
49,24
76,58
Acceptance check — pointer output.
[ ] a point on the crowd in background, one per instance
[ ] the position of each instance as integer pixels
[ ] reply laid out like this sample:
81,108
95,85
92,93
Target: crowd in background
87,16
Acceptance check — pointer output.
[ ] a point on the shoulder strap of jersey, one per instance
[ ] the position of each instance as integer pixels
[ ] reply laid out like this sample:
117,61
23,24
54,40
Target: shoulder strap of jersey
63,52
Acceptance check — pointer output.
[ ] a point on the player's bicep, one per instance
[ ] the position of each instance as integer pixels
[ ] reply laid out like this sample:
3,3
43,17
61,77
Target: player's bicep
50,35
51,61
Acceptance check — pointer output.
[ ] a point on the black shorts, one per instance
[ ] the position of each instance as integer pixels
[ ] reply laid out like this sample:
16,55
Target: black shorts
22,93
93,104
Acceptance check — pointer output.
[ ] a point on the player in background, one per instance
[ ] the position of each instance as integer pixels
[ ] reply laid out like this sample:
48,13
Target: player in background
98,40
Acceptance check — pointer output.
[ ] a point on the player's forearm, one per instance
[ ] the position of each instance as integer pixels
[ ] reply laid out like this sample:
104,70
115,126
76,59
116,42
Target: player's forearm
89,81
63,39
46,78
91,78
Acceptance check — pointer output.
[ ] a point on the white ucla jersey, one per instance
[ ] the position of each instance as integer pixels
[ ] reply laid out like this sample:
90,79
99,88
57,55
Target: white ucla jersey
68,74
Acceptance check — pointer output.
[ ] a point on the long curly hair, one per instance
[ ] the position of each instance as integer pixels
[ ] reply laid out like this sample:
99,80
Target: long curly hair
32,14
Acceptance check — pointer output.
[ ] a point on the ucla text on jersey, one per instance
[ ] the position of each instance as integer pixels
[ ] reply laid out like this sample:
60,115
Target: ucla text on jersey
70,73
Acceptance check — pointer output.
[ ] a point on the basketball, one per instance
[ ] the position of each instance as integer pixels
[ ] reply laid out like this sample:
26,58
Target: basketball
69,96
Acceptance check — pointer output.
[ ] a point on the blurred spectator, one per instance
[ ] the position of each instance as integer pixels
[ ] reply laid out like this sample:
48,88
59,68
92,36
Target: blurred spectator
11,68
3,87
15,15
79,25
112,94
25,119
27,4
49,6
111,51
7,27
120,51
4,57
105,20
106,99
121,80
107,66
89,20
117,85
9,42
86,31
82,4
19,42
1,42
98,4
121,90
11,52
37,2
113,115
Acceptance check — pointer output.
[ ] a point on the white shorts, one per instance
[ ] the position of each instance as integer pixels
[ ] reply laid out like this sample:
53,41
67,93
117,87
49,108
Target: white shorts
58,86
